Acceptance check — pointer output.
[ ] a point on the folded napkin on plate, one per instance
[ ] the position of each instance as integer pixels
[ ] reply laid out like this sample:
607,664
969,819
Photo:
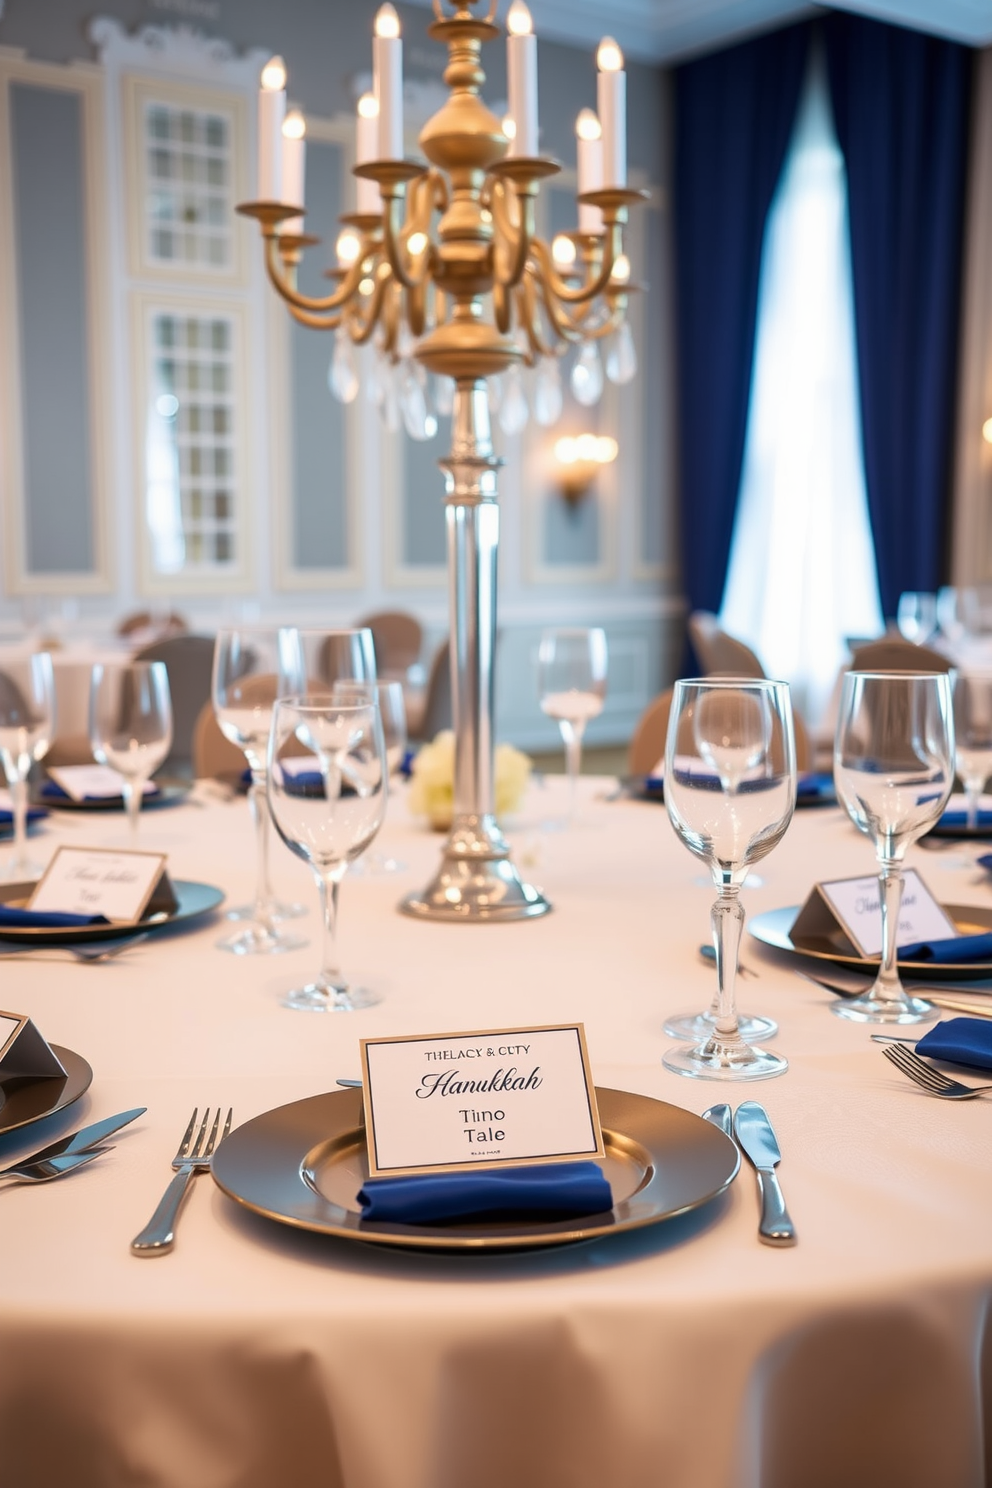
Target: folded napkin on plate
956,818
52,791
960,1041
34,814
44,919
957,948
555,1191
812,786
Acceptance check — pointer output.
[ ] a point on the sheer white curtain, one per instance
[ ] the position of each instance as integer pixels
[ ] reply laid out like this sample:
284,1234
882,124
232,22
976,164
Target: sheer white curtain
802,570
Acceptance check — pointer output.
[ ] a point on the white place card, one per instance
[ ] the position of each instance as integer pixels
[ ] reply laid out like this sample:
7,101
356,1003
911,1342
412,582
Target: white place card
92,782
853,904
499,1098
24,1054
95,881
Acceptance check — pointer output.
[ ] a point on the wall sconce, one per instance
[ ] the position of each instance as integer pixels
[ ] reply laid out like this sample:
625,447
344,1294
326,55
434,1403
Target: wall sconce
578,461
987,431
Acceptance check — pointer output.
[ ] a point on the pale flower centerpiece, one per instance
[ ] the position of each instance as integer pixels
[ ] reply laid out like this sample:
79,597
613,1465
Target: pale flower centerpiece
432,788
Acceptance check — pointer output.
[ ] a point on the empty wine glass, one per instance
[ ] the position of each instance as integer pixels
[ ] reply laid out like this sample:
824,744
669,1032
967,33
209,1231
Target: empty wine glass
571,681
893,768
131,726
327,794
730,791
27,722
388,696
973,736
253,667
917,616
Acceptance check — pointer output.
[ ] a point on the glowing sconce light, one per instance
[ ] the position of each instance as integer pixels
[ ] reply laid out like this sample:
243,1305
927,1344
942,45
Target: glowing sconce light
579,460
987,431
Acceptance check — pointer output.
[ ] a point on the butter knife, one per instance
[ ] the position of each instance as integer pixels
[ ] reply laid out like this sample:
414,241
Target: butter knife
753,1131
83,1140
722,1117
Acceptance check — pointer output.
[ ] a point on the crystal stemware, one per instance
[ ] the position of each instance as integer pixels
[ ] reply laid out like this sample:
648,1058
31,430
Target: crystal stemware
131,726
917,616
27,722
253,667
973,736
571,681
894,769
327,794
388,696
730,791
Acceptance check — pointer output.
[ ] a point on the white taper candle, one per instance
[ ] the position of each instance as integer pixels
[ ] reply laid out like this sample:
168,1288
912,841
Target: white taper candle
611,101
367,197
387,66
521,77
589,155
271,112
294,167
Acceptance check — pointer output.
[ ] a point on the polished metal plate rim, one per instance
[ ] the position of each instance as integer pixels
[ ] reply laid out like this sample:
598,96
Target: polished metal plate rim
963,833
772,928
27,1101
195,899
283,1163
167,795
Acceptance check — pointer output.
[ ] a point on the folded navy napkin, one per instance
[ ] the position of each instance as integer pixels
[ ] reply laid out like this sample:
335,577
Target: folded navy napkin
815,787
958,948
45,919
958,818
54,792
34,814
960,1041
555,1191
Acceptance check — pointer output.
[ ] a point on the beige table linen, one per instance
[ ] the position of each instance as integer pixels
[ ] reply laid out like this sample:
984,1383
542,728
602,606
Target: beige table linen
687,1355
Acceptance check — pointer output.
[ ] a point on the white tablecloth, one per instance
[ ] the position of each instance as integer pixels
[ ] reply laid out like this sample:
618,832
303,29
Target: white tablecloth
687,1355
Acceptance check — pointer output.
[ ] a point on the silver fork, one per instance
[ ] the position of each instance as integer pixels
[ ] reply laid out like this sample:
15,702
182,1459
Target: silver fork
932,1080
158,1236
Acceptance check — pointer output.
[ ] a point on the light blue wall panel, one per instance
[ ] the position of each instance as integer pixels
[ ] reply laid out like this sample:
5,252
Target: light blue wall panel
49,226
423,492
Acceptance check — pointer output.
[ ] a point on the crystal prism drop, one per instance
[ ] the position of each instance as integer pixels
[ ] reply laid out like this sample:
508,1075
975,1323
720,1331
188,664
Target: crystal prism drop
547,393
342,374
413,404
513,412
621,359
587,375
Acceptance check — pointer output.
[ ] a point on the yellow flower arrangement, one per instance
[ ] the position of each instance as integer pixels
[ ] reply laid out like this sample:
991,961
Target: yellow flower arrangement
432,788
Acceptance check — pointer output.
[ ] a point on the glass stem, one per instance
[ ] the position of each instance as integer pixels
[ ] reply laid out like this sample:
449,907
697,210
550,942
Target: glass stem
572,735
973,793
330,974
131,790
728,924
888,987
19,801
262,912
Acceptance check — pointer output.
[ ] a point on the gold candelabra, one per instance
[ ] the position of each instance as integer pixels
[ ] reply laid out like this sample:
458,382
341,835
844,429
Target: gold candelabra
452,237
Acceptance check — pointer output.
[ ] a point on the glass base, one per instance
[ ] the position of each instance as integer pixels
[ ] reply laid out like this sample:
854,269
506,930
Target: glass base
871,1009
277,912
717,1059
698,1027
256,940
320,997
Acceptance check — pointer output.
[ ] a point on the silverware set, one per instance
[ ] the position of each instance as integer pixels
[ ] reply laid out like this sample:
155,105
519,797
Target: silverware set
753,1132
933,1080
942,995
69,1153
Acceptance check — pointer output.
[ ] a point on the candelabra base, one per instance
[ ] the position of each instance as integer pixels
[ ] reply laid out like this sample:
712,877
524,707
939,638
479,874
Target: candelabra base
476,881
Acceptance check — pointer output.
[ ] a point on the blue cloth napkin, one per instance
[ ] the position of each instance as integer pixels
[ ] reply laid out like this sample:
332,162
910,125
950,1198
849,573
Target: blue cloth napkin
34,814
54,792
958,948
45,919
958,818
553,1191
814,787
960,1041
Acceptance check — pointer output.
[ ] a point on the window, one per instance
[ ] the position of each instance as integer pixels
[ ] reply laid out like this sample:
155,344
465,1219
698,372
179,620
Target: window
188,203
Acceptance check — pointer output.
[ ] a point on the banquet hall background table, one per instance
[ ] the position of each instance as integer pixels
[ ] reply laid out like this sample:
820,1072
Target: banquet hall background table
686,1354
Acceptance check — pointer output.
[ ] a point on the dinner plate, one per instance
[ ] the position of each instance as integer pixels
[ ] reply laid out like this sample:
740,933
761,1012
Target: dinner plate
23,1101
774,926
195,899
166,795
303,1165
964,832
652,788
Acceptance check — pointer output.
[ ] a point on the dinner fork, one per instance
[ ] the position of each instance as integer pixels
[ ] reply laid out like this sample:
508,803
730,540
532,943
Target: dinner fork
158,1236
932,1080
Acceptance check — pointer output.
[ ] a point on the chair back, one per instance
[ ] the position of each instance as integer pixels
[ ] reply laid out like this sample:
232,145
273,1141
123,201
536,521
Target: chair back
721,654
398,639
893,654
647,746
436,714
214,757
189,662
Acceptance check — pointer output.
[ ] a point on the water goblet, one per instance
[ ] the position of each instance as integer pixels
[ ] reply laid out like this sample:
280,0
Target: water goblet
972,692
253,667
894,769
131,726
392,711
730,791
327,793
917,616
27,722
571,681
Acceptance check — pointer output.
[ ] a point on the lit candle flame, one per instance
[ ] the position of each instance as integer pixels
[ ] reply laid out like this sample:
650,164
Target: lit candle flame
387,22
274,75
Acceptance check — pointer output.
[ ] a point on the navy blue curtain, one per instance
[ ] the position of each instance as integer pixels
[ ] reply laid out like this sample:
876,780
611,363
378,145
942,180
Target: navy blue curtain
901,106
734,113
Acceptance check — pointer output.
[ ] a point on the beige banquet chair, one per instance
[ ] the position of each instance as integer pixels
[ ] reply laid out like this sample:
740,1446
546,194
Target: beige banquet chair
214,757
398,639
189,662
436,712
721,654
893,654
647,747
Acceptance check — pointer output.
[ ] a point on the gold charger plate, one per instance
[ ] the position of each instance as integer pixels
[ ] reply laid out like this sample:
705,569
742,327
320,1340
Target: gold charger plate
303,1165
192,900
23,1101
773,928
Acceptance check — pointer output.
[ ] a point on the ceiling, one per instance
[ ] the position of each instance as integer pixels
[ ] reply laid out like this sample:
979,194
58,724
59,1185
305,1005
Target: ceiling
666,30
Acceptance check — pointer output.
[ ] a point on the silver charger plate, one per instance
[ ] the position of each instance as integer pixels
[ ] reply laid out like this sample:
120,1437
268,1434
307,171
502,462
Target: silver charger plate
303,1164
773,928
165,795
195,899
25,1101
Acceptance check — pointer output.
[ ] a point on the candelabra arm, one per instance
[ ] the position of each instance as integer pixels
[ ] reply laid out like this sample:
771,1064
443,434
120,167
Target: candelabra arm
570,327
284,285
314,322
513,238
360,326
527,314
579,294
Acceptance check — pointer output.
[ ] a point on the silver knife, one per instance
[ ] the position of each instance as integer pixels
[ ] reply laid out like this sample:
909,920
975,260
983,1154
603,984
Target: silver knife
81,1141
753,1131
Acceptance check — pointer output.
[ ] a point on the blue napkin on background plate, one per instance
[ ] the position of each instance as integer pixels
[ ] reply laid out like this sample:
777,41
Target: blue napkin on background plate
958,818
813,786
54,792
958,948
960,1041
44,919
34,814
552,1191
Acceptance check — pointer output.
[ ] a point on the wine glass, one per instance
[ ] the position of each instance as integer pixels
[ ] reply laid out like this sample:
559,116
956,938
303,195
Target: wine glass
972,693
571,681
327,794
917,616
131,726
388,696
253,667
730,791
27,722
893,768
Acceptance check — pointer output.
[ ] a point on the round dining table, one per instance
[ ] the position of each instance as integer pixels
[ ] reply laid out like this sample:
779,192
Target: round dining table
685,1354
